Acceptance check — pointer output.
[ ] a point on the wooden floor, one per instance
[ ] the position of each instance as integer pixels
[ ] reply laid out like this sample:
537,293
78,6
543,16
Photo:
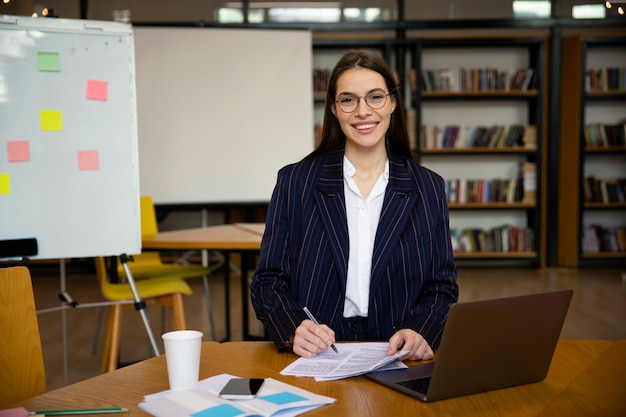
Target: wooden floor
598,311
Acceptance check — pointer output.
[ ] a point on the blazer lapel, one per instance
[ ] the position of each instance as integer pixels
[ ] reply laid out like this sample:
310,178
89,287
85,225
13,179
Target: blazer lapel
400,198
331,203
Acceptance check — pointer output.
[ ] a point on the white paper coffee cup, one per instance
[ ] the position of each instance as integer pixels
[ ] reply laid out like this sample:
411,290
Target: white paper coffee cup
182,354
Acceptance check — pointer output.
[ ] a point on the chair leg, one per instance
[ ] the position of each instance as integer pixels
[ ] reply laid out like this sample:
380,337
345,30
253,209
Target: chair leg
178,312
110,357
209,307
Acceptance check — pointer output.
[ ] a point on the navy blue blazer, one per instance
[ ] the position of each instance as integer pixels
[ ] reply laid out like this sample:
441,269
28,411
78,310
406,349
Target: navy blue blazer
304,252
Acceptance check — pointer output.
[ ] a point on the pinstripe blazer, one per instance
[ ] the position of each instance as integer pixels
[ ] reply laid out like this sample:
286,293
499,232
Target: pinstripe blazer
304,252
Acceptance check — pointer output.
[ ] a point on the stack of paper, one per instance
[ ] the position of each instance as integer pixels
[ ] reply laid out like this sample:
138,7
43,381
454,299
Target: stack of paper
273,398
353,359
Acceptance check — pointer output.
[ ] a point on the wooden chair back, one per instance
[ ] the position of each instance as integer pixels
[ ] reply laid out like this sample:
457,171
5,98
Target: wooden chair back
22,372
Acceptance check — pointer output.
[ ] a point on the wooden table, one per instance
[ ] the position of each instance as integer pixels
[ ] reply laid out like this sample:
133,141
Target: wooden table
244,238
591,368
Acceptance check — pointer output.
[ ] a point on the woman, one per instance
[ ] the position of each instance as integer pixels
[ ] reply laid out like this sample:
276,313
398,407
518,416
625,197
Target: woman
357,231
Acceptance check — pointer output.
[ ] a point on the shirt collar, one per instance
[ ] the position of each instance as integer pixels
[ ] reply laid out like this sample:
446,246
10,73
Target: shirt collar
349,170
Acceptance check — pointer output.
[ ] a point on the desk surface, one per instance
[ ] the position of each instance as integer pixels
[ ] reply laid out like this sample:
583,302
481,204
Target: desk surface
240,236
360,396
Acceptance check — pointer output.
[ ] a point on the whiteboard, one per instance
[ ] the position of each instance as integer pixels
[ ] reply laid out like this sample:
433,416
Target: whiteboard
220,111
69,172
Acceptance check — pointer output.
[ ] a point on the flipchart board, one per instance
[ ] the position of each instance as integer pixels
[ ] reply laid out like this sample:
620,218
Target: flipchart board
69,172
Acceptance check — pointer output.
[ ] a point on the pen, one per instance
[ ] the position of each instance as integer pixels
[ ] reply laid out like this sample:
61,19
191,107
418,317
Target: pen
312,318
75,412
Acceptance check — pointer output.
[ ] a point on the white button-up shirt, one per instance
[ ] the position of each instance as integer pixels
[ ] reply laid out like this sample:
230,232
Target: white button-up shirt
363,216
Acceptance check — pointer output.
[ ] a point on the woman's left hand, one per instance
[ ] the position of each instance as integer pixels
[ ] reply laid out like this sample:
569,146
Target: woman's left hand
411,341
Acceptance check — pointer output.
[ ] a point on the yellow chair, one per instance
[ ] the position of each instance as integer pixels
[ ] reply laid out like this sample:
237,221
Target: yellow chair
163,291
149,264
22,372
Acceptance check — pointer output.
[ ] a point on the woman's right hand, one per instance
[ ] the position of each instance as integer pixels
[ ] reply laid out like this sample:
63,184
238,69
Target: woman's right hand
311,339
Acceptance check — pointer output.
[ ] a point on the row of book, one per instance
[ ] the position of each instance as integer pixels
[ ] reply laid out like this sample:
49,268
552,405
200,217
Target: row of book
604,190
598,238
504,239
605,79
320,79
497,190
473,80
604,135
495,136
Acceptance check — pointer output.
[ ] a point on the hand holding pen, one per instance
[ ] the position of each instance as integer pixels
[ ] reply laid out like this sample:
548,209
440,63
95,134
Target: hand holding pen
312,318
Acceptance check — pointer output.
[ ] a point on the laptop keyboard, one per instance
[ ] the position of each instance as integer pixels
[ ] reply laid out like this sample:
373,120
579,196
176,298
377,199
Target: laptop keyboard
418,384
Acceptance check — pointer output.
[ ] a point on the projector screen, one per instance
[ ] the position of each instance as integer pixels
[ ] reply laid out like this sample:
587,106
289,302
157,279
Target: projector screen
220,111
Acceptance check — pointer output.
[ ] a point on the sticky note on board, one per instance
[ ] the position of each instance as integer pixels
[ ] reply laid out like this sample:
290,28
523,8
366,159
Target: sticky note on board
88,161
97,90
5,183
48,61
18,151
51,119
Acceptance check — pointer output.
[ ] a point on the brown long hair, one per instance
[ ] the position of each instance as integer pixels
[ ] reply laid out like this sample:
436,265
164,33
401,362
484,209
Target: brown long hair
333,138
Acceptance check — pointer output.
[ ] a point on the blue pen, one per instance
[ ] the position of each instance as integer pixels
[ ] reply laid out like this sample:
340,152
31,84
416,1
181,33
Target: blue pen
312,318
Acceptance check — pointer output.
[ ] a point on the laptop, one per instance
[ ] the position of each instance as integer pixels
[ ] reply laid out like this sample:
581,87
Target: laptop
487,345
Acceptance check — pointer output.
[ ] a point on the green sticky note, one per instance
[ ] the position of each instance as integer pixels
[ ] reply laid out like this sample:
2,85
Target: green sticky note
51,120
5,184
48,61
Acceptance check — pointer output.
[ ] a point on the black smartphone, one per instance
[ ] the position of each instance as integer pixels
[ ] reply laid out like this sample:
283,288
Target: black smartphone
241,388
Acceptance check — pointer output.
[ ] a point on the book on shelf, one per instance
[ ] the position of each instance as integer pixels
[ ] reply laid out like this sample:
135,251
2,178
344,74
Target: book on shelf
529,179
529,137
604,190
495,190
604,135
597,238
605,79
465,137
504,239
320,79
475,79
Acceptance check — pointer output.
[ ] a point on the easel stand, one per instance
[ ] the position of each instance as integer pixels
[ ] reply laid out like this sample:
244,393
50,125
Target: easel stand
140,305
68,302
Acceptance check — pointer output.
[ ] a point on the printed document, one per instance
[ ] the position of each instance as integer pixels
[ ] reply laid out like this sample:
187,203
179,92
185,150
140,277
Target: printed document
274,399
353,359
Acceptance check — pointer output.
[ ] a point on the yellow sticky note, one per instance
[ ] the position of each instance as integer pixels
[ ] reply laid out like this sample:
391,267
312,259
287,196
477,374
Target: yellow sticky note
51,120
5,183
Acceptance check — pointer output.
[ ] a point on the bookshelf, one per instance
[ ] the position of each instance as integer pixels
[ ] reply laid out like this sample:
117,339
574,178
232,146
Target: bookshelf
592,167
490,87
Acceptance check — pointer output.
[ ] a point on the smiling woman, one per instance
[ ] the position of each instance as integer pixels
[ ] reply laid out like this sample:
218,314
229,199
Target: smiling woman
347,225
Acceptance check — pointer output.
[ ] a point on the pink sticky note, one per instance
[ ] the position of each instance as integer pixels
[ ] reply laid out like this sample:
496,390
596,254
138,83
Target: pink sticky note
18,151
97,90
14,412
88,161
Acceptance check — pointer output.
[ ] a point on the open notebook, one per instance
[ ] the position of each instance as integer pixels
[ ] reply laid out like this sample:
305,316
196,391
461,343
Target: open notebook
487,345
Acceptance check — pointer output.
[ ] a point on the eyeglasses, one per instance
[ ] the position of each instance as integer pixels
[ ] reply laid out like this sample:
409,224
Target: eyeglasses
374,99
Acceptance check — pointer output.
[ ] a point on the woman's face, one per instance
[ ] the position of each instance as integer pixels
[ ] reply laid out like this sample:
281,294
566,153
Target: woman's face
365,127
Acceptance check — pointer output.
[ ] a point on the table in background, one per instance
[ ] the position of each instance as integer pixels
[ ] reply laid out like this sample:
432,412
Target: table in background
596,365
244,238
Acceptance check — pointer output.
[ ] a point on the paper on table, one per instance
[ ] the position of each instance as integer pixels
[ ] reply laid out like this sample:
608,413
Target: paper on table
353,359
14,412
274,398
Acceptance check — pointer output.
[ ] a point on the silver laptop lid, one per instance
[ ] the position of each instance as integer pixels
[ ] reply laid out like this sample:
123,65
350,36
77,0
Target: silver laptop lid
498,343
490,344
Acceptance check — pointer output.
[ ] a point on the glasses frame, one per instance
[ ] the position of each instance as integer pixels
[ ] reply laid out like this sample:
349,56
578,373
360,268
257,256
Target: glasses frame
358,103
